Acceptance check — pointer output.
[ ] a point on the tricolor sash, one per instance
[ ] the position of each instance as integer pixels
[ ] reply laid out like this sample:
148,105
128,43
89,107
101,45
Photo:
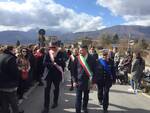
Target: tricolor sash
85,66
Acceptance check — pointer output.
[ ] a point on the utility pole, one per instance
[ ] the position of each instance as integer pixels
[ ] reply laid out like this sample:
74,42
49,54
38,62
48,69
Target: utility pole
129,38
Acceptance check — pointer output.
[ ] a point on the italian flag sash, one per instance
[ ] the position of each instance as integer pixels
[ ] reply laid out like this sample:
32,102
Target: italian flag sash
85,66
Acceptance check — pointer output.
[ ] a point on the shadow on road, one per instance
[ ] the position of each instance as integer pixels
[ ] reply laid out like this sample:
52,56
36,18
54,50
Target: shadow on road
128,110
69,104
118,91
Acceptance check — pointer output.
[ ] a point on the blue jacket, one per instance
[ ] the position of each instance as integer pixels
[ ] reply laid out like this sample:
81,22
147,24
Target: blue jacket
103,77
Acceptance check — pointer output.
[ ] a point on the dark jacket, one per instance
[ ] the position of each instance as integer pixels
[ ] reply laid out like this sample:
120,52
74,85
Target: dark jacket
80,75
63,56
71,65
9,73
95,56
138,66
53,72
39,63
102,77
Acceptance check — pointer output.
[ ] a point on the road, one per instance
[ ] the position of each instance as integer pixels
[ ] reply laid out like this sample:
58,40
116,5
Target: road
121,101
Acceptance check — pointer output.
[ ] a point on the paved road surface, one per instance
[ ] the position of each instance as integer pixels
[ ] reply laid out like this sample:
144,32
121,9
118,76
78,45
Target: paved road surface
121,101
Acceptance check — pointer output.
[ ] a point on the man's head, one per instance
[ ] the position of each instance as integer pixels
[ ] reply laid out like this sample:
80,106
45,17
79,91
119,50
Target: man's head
53,46
83,50
138,54
9,49
75,51
92,50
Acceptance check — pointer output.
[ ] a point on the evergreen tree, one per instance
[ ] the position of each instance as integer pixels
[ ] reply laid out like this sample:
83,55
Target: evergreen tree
115,39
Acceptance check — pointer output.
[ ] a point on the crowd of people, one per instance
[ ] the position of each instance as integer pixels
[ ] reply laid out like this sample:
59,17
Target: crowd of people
21,67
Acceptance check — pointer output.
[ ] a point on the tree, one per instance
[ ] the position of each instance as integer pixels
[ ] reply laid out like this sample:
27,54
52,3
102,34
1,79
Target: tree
142,44
115,39
18,43
105,40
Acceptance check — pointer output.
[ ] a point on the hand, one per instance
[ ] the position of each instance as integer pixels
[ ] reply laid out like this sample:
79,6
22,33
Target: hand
75,84
54,63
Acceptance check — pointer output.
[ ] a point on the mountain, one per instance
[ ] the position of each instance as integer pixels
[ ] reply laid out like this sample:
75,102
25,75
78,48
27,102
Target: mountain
9,37
123,31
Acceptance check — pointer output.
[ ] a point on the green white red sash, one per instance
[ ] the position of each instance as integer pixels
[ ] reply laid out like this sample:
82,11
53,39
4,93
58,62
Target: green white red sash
85,66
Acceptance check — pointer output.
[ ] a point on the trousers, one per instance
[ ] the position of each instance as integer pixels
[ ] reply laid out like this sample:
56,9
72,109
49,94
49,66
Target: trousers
9,99
56,84
79,99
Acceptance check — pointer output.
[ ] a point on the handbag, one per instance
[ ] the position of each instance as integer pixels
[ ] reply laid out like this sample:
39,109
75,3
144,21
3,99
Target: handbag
24,74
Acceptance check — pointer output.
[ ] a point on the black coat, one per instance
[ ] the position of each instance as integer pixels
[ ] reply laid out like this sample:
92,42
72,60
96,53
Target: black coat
63,59
80,75
9,73
71,66
95,56
53,72
39,65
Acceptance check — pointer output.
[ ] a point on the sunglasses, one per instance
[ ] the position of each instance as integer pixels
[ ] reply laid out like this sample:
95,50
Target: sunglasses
105,54
52,47
24,51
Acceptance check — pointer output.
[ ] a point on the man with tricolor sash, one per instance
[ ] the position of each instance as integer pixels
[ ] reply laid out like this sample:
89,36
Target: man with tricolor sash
84,78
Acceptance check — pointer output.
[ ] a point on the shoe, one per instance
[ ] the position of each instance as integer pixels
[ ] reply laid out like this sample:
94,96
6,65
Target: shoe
135,92
41,84
21,111
25,97
20,101
85,110
130,90
78,111
105,111
54,105
45,110
101,102
71,89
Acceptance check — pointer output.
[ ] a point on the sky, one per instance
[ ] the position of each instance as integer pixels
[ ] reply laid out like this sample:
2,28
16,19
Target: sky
72,15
